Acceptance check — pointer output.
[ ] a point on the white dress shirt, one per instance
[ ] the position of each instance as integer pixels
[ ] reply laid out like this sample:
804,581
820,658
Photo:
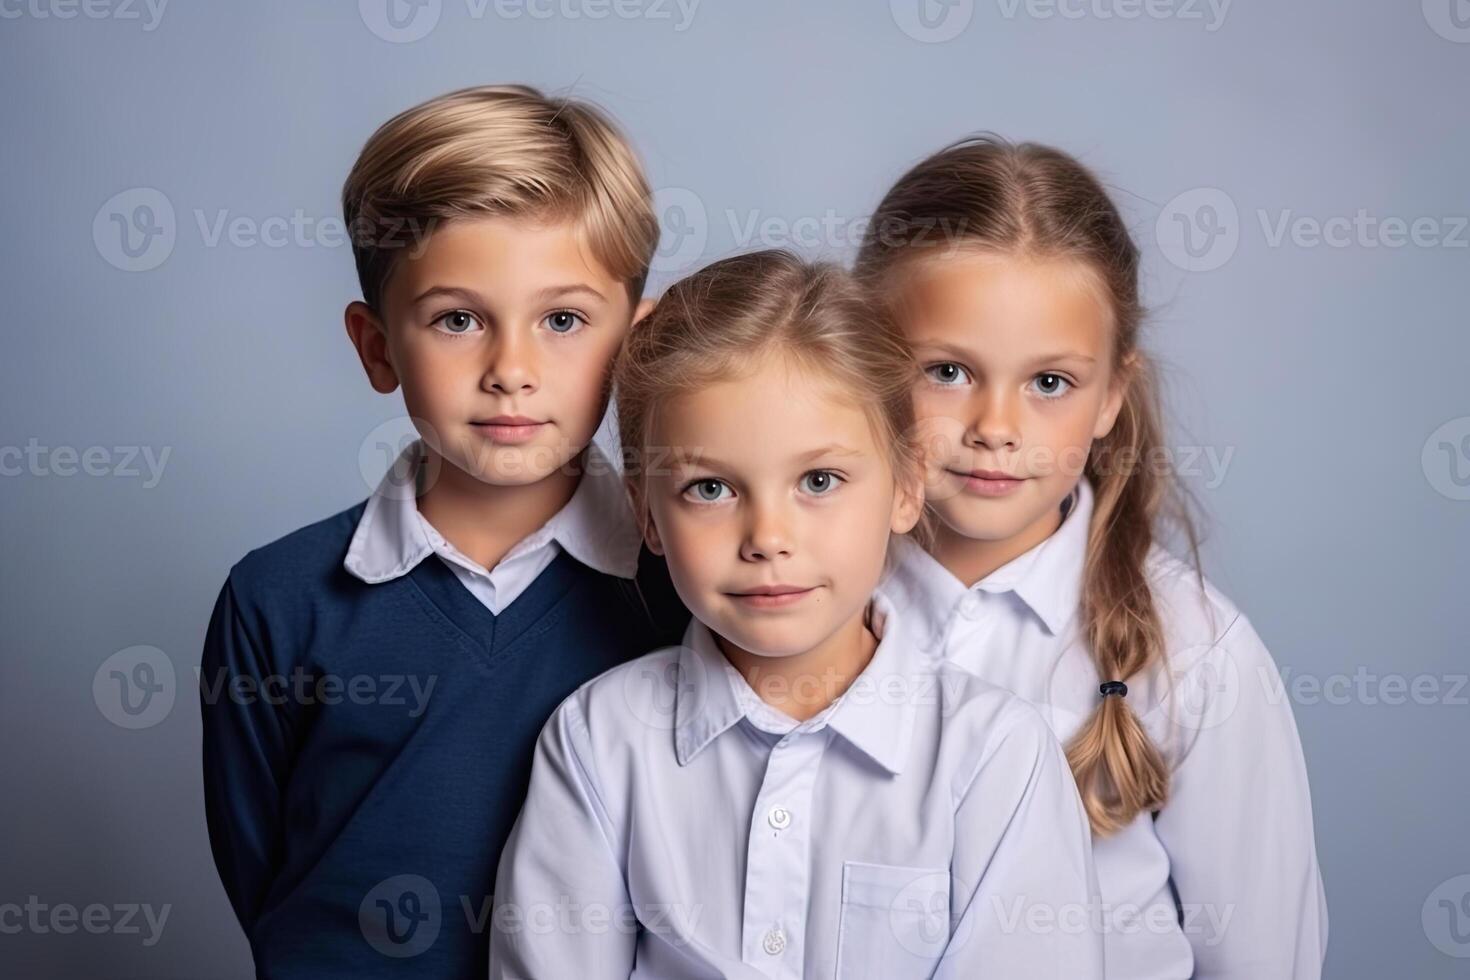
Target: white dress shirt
679,827
1235,835
596,527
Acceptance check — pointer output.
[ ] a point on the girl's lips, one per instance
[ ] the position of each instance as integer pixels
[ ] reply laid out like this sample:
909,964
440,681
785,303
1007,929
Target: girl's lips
774,597
509,431
989,483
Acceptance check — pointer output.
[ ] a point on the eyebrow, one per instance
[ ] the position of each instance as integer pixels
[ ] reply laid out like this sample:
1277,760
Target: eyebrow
570,289
705,461
1063,356
468,296
960,354
473,298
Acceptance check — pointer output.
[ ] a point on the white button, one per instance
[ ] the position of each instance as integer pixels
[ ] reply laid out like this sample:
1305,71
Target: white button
970,606
774,942
779,817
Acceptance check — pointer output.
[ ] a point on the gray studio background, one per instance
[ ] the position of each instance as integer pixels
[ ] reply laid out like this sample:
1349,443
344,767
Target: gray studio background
175,398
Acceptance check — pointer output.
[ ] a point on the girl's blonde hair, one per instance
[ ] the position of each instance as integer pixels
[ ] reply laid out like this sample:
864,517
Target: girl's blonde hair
993,195
719,323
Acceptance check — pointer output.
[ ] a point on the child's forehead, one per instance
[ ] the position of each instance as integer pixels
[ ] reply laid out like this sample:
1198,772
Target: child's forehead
1000,308
503,251
777,410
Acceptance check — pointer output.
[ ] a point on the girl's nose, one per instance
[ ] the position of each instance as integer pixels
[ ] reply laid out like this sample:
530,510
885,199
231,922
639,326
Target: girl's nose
996,427
767,534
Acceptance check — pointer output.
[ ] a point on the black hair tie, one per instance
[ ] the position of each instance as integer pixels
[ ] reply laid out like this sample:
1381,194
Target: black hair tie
1113,687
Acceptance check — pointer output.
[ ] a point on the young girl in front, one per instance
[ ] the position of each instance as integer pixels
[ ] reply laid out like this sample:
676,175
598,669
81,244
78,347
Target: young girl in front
798,790
1015,281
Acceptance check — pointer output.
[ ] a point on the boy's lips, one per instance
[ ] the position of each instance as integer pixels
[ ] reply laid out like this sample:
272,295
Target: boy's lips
509,429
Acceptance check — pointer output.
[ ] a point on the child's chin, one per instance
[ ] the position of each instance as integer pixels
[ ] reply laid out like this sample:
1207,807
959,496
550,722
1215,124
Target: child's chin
986,520
768,640
512,466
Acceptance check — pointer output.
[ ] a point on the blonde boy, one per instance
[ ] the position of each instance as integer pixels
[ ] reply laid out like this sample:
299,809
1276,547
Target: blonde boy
373,683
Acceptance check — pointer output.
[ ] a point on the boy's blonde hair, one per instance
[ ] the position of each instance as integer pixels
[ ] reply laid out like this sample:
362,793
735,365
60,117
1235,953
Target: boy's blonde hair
498,150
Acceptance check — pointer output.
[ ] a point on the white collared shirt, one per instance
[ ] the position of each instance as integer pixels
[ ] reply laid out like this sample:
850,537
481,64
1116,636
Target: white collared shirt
1235,835
677,826
596,526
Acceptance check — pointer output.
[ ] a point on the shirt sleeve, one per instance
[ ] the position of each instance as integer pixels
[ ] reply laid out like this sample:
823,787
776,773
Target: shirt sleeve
1237,824
561,906
1023,877
246,755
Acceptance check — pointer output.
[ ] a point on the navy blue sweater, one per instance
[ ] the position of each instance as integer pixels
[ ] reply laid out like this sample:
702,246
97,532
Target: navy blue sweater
367,747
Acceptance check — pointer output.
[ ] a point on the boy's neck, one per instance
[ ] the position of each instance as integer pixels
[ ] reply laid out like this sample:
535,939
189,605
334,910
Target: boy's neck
483,520
972,559
802,685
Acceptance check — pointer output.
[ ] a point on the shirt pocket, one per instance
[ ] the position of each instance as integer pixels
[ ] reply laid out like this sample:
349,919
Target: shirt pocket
894,922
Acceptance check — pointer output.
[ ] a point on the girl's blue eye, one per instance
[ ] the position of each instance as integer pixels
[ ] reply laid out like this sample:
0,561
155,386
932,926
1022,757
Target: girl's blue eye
819,483
563,321
458,321
707,491
947,373
1051,385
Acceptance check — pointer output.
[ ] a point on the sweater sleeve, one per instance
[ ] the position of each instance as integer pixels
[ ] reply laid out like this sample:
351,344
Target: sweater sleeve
246,759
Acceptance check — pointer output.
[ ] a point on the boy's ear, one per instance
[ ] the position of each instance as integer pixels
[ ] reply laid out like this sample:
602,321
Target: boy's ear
370,337
645,306
644,518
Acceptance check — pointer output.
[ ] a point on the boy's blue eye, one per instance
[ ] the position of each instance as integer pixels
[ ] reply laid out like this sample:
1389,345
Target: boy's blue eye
458,321
820,482
947,373
1051,385
707,491
563,321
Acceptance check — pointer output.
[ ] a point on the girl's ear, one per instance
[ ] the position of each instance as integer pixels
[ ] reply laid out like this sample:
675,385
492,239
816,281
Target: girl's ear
1118,387
908,501
644,517
645,306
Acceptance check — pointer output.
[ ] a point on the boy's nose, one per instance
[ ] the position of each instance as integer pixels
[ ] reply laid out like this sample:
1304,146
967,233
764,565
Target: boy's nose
511,370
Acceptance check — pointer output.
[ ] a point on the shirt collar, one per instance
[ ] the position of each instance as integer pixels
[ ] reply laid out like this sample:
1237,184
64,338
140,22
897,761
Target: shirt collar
596,525
1047,579
875,714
